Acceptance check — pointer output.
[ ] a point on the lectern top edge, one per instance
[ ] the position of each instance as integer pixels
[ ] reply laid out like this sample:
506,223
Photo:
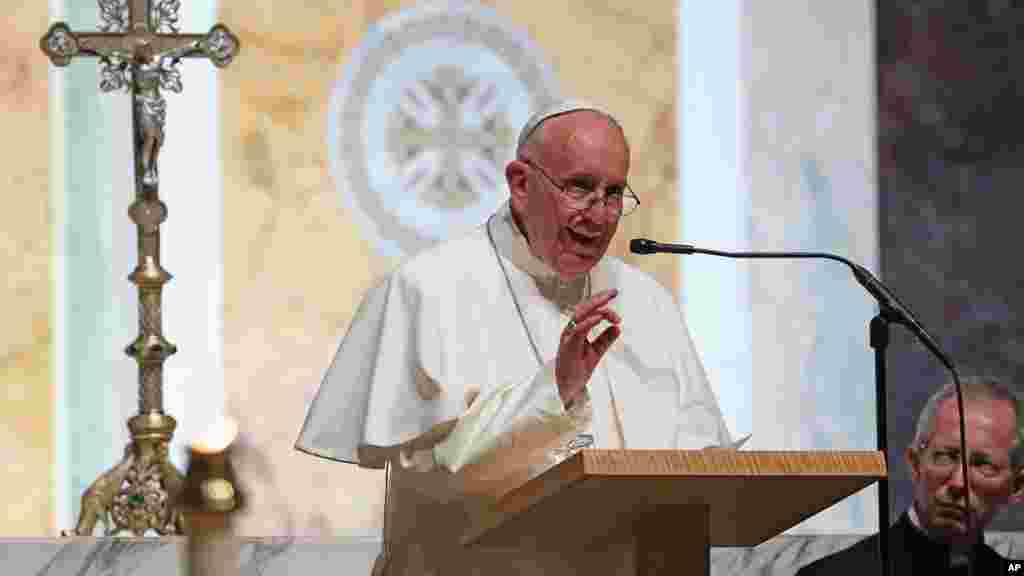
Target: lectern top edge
714,462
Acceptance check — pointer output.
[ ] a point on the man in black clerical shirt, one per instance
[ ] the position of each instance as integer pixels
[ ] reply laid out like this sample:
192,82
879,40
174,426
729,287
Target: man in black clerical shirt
931,537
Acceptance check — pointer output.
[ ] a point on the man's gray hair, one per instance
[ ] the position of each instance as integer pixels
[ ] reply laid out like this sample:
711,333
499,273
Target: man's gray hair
973,388
558,108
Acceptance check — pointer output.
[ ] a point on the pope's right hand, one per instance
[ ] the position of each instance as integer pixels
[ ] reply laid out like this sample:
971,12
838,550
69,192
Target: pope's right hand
577,355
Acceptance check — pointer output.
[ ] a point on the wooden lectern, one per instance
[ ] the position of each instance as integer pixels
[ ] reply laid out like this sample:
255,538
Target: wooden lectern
673,505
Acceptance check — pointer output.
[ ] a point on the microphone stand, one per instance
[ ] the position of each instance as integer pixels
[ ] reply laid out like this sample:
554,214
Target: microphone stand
890,310
879,340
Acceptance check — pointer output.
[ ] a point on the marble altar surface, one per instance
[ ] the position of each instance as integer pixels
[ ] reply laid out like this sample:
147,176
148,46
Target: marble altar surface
354,555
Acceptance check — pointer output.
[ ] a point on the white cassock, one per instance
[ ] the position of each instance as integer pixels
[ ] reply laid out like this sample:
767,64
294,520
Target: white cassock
437,376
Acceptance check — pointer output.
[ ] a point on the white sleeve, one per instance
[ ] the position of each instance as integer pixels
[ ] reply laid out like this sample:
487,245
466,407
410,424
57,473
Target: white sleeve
700,423
502,438
521,417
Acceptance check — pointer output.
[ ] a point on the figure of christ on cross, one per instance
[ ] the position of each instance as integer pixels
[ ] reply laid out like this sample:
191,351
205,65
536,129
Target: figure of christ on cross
139,47
138,56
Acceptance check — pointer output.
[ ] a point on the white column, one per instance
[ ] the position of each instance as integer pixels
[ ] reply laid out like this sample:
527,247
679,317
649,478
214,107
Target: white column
810,92
777,151
191,184
92,324
714,197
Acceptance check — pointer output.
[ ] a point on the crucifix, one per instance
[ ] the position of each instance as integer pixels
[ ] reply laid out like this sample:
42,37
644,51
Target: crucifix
139,47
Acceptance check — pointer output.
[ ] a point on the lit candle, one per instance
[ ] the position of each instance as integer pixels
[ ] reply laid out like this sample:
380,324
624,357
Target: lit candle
217,438
210,498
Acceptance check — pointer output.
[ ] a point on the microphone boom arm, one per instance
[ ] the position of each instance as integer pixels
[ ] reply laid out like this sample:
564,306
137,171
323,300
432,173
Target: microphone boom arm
890,306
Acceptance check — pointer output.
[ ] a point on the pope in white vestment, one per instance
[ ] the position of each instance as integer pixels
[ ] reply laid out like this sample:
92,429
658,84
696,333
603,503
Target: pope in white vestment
481,362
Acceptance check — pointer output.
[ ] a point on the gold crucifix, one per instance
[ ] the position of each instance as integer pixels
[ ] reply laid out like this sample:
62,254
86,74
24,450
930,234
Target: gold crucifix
139,47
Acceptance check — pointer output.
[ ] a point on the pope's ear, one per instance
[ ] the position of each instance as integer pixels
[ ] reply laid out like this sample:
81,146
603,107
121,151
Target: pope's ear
913,463
1017,496
515,176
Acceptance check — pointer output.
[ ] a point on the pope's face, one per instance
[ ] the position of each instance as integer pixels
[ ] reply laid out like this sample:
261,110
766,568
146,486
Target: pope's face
583,149
939,496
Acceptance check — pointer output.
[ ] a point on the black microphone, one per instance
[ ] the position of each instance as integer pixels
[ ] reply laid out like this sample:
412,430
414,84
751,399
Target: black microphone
645,246
891,306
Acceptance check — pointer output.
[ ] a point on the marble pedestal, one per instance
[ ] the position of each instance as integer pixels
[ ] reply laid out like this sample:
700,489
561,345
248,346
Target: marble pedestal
354,555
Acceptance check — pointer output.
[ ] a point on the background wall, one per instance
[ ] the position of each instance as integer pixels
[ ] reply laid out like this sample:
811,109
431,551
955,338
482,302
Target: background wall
26,432
950,140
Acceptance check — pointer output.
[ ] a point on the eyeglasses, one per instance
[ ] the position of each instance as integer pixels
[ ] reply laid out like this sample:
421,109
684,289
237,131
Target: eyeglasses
946,460
617,202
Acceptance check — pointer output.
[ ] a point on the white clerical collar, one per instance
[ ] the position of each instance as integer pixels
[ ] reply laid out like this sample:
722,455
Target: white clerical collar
912,513
957,554
512,244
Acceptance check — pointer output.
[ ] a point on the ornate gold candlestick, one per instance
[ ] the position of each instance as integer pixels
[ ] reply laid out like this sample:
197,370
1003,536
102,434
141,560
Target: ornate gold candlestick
139,47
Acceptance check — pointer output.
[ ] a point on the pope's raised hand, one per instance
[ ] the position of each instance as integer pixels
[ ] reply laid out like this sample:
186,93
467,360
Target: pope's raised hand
577,355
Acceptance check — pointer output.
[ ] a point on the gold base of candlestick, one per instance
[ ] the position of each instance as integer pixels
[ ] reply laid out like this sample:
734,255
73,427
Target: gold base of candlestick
140,493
